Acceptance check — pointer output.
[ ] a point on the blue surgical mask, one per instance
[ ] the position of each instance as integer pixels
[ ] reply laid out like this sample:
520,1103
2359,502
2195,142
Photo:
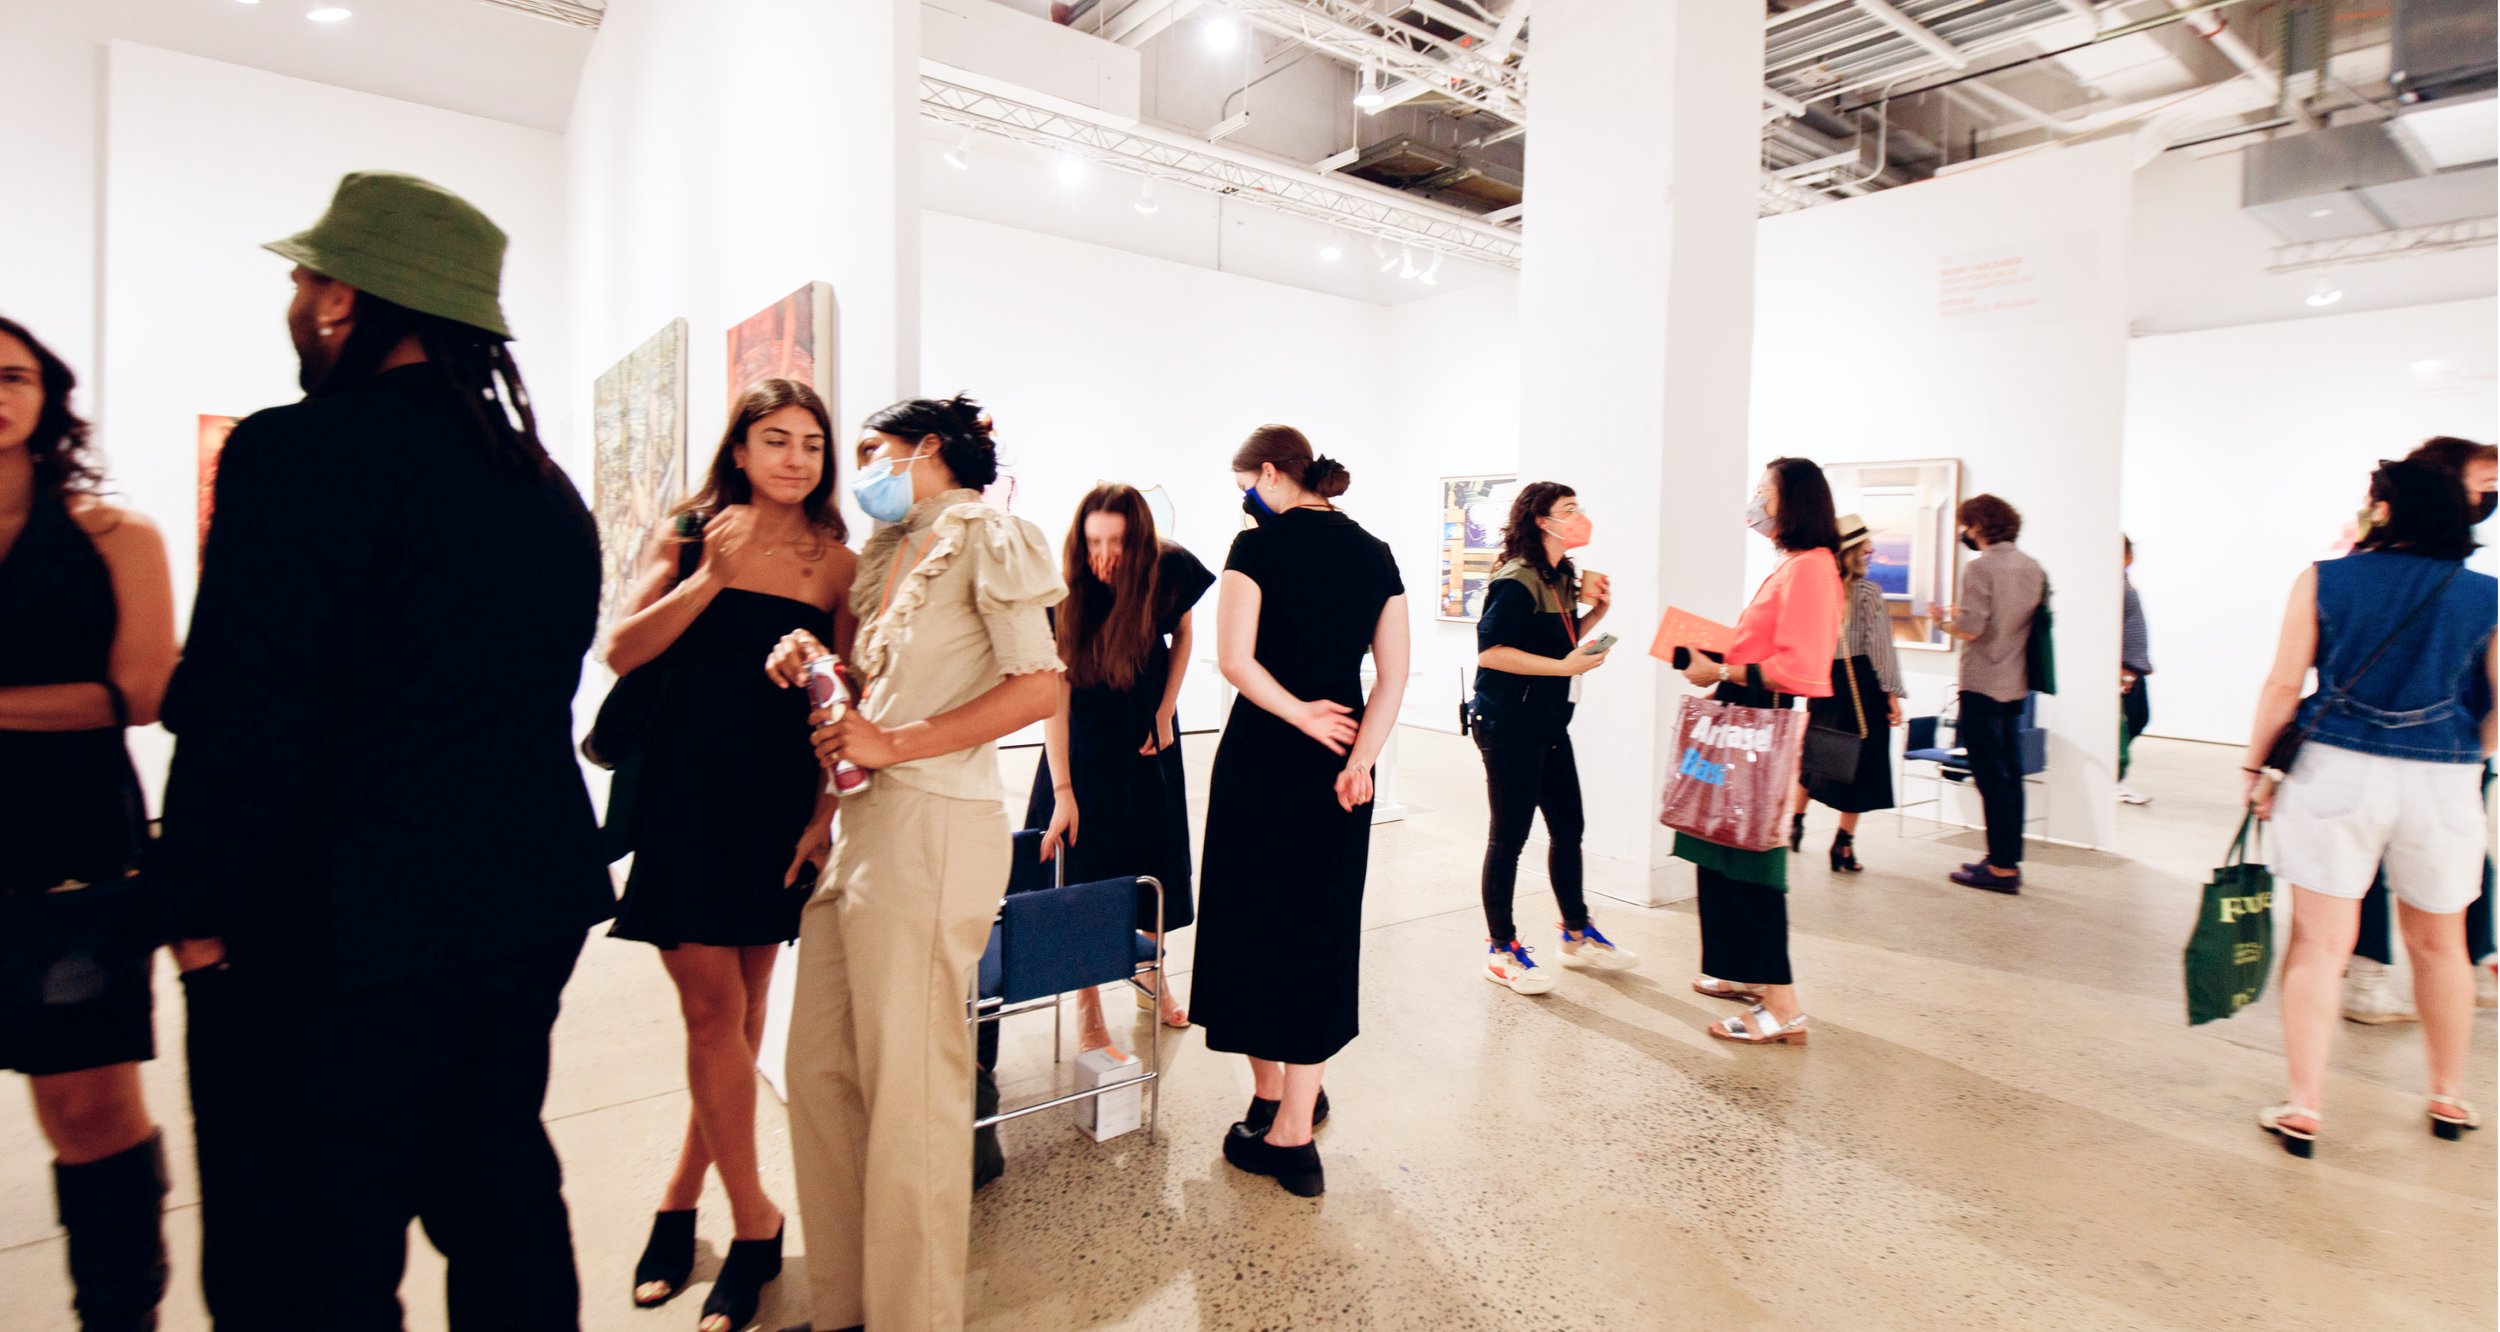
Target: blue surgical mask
1254,505
883,488
1758,516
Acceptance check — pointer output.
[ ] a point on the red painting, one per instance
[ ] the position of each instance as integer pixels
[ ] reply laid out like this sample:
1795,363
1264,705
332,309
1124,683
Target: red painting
213,432
790,339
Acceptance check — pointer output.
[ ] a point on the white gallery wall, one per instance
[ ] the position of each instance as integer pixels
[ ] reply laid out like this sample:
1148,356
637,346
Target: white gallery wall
1981,317
2248,451
204,162
1103,365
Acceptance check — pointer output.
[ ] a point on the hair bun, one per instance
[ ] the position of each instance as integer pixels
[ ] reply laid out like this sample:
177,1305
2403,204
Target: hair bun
1326,477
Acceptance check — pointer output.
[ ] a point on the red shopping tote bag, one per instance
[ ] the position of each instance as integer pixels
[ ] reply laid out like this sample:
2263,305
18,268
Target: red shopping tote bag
1734,773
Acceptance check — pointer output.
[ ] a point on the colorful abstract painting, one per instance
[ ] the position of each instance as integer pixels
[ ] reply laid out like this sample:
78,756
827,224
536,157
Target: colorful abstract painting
212,443
790,339
638,458
1473,510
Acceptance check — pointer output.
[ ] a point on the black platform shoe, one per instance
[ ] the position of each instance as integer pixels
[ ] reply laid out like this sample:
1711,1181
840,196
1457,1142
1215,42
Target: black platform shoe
1797,833
739,1289
1262,1114
667,1257
1845,854
1295,1169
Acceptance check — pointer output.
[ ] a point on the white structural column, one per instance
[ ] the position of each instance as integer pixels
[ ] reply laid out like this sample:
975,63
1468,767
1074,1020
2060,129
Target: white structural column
723,154
1636,331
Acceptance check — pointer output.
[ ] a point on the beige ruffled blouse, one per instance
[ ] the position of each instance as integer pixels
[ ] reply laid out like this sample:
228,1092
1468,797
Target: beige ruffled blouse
970,588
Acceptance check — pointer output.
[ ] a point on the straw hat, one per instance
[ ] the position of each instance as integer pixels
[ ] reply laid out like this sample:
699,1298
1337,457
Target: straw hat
1852,531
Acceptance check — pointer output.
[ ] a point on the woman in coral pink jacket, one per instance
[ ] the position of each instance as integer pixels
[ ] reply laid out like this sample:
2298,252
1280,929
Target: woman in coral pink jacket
1782,652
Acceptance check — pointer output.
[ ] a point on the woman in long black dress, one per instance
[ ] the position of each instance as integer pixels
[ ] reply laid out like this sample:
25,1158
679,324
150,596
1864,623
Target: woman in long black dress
1865,702
86,647
733,807
1305,594
1111,789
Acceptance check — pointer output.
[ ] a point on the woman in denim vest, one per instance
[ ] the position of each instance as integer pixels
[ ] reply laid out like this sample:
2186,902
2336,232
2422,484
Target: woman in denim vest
2401,635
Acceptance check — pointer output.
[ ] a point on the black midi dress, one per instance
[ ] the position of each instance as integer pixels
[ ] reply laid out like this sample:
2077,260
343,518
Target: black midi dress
1132,808
729,782
1281,879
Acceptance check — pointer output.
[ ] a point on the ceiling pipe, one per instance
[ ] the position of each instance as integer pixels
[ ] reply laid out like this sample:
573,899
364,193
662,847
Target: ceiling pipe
1917,32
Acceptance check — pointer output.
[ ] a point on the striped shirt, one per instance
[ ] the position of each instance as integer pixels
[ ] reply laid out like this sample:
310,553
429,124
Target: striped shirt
1868,634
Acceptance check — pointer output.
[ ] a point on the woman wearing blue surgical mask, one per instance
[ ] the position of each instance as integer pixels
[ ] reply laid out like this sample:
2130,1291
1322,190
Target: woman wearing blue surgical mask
955,651
1304,595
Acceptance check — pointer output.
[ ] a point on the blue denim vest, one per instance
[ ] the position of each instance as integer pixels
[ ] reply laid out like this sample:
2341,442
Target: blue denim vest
2426,697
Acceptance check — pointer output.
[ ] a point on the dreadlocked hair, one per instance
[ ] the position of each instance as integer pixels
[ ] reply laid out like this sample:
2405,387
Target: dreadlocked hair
476,365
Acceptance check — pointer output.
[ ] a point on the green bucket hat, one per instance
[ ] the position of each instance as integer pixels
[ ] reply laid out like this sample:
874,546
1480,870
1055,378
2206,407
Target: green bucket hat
410,242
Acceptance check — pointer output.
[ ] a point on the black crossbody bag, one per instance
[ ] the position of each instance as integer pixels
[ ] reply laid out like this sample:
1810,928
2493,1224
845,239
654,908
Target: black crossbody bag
2287,746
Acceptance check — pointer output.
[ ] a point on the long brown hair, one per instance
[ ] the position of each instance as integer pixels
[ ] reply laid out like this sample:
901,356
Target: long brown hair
725,483
65,463
1291,452
1106,640
1522,539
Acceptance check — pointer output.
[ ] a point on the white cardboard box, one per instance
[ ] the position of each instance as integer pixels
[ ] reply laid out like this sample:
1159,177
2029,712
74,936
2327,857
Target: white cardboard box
1122,1111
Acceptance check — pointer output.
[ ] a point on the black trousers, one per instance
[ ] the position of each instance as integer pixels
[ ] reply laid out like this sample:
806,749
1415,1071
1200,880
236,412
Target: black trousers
1744,930
1520,778
1996,768
327,1121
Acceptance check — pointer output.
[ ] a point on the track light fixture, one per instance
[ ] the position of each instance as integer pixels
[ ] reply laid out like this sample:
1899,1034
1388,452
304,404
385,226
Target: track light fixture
1406,269
1431,276
1380,250
960,156
1146,198
2324,293
1367,94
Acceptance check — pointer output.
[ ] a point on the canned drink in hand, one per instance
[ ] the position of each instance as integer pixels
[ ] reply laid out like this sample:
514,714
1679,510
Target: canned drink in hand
829,688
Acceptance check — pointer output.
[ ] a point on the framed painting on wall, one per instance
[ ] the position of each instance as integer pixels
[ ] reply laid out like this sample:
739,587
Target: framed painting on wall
212,444
1473,509
790,339
638,457
1909,512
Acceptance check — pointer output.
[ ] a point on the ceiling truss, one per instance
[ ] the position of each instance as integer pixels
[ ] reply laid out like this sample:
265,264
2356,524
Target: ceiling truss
1359,208
1479,68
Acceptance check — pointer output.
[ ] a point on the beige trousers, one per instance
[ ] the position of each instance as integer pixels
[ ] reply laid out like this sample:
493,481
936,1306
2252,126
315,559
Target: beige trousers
881,1061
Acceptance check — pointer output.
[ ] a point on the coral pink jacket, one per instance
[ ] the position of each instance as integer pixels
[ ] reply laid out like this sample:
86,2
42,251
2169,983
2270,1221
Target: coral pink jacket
1793,625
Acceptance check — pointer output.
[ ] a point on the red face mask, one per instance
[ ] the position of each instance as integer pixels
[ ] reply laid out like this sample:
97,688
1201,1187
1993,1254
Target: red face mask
1571,529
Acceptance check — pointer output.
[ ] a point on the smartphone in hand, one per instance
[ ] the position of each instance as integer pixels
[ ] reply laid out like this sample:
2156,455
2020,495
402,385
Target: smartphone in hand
1598,645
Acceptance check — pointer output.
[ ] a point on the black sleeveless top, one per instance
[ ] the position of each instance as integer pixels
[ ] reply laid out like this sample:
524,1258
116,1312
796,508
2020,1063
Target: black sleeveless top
69,802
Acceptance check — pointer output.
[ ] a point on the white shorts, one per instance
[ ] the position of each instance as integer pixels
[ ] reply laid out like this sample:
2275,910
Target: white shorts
2342,814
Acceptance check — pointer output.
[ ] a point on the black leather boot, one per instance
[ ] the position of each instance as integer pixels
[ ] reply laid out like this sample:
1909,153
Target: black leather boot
114,1210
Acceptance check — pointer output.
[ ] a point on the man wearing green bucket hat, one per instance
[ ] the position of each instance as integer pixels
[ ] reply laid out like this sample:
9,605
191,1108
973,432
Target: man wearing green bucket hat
377,846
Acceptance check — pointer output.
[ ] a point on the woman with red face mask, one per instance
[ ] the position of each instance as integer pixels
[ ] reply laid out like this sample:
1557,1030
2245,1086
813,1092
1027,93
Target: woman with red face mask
1528,662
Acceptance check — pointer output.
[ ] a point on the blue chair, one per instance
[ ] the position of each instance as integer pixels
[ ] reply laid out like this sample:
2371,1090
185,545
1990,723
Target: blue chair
1053,938
1950,762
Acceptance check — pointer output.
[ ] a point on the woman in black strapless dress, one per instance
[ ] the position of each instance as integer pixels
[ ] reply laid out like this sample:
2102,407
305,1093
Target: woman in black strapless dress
732,808
86,647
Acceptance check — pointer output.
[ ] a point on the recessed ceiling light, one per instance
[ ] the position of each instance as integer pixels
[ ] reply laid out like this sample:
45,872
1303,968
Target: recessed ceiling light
2321,212
1222,34
247,2
330,14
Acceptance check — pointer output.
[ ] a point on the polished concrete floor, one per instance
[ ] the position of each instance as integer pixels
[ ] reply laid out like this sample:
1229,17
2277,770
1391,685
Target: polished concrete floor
2002,1122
